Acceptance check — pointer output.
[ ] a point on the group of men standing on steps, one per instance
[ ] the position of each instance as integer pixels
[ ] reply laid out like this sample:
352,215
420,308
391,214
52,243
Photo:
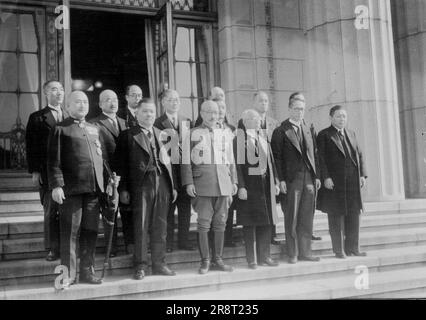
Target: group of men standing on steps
167,163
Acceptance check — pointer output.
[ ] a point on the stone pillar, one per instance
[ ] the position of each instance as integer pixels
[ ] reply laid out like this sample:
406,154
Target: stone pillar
409,23
356,68
262,47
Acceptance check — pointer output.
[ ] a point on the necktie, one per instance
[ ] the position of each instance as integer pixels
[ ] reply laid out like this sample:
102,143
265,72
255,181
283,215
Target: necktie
114,124
345,146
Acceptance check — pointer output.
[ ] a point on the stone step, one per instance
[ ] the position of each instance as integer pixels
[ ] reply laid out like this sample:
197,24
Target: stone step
19,196
342,287
24,226
390,269
12,181
16,207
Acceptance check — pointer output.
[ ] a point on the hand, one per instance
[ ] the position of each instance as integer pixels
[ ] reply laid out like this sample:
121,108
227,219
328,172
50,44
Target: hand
36,178
242,194
318,183
175,195
283,187
234,189
277,189
328,184
124,197
310,188
190,190
362,181
58,195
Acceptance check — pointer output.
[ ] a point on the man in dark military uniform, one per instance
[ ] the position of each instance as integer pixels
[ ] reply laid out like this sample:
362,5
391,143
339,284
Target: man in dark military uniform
110,126
75,171
40,123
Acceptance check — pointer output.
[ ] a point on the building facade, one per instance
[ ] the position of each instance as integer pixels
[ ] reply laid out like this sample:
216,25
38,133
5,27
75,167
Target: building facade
366,55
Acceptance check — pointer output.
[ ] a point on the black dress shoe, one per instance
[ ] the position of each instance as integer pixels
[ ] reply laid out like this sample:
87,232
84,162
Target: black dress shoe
269,262
186,247
52,255
163,271
292,260
313,259
139,274
315,238
252,265
277,242
204,267
340,256
169,249
88,277
357,253
219,265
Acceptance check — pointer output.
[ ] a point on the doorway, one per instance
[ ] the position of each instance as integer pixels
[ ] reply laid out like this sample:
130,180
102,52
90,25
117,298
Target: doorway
108,52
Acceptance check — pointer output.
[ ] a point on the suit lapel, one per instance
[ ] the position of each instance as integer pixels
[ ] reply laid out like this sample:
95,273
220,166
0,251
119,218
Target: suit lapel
352,145
141,141
166,123
308,144
49,118
163,155
107,124
291,135
121,124
335,138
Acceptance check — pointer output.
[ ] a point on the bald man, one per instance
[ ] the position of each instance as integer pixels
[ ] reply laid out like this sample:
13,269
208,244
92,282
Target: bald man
210,184
75,174
110,126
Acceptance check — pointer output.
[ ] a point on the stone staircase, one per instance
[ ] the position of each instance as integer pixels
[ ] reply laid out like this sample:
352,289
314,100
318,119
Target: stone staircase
393,234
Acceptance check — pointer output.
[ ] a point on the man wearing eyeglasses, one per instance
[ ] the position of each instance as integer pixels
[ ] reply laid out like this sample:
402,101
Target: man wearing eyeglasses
295,157
133,96
110,126
40,123
174,123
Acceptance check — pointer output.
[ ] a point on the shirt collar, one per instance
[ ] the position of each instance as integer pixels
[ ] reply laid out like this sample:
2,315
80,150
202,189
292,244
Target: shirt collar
132,111
340,130
171,116
114,118
296,123
57,108
146,130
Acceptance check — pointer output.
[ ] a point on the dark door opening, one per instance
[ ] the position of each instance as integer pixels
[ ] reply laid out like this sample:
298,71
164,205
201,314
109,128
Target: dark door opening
108,49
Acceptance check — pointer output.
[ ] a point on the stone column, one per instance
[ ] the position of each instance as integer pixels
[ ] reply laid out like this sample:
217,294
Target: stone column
409,22
356,68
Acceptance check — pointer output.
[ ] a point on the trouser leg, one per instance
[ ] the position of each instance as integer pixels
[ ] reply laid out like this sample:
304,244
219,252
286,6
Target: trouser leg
127,223
184,217
336,228
263,236
51,220
250,243
89,231
306,217
352,231
70,214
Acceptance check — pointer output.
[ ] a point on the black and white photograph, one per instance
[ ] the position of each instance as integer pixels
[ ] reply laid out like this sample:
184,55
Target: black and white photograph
221,151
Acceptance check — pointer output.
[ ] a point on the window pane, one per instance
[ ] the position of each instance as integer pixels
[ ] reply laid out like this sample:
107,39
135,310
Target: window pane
183,79
28,103
9,71
200,45
194,80
7,31
28,72
182,44
8,111
186,109
27,34
192,43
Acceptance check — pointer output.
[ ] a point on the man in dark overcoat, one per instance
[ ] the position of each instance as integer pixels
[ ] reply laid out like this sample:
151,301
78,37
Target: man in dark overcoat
258,185
344,174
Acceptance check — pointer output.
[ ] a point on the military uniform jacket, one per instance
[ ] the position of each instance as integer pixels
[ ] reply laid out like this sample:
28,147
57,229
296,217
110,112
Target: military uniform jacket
210,179
75,158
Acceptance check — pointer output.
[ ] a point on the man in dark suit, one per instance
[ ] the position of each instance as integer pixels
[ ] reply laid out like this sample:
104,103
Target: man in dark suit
75,171
344,173
110,127
172,121
147,184
40,123
133,96
294,153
